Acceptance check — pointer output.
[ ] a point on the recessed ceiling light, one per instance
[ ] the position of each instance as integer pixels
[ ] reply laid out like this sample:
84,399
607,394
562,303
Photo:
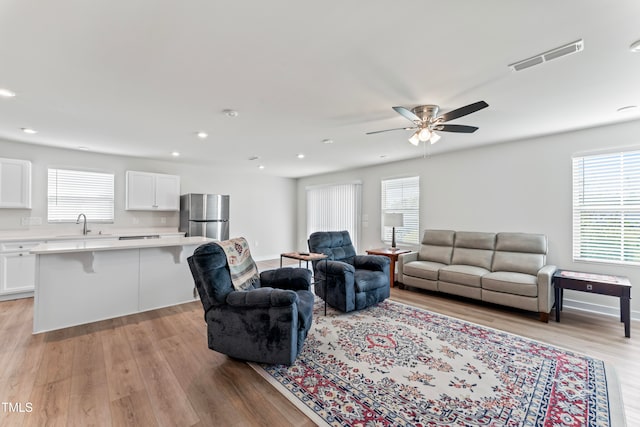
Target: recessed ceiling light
327,141
82,147
175,154
635,47
628,109
261,167
230,113
202,135
29,131
301,156
6,93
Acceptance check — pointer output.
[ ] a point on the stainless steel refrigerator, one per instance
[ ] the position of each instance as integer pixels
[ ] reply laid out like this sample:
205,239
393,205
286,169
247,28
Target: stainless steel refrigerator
205,215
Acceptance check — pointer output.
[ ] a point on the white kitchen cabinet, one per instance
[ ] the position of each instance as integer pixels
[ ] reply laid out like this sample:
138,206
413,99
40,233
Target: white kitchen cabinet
15,184
17,269
146,191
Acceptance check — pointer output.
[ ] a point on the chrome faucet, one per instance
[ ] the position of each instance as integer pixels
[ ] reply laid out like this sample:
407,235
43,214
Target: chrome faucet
84,226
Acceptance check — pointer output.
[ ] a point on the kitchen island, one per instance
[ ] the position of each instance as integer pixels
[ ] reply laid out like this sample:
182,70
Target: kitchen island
80,282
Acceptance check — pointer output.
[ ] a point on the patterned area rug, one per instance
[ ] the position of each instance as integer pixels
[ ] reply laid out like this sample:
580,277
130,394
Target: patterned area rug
395,365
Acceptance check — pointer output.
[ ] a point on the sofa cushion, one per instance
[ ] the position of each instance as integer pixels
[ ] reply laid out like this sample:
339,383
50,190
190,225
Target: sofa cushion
522,242
511,283
422,269
437,246
468,275
520,252
367,280
475,240
518,262
473,248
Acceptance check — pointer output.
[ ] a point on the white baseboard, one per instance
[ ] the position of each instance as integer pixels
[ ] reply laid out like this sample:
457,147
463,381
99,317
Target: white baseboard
17,295
266,257
597,308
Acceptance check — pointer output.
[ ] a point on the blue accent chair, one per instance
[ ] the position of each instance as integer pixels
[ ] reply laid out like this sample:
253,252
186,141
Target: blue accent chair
354,281
266,324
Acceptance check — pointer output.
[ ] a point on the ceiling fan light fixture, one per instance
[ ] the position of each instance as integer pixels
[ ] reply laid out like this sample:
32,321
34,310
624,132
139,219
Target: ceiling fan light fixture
424,134
415,140
434,138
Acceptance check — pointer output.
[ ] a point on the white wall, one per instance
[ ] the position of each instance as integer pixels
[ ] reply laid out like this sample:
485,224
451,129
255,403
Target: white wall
262,207
520,186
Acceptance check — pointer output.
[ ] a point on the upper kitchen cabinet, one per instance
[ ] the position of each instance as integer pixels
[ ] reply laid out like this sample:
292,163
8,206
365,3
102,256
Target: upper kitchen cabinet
152,192
15,184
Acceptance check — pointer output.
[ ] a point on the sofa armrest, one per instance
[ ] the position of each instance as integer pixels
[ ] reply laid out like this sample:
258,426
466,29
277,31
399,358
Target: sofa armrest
371,262
295,279
262,298
545,288
403,259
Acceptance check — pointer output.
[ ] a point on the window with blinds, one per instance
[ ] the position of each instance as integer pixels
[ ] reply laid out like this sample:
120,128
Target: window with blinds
606,207
72,192
334,208
402,195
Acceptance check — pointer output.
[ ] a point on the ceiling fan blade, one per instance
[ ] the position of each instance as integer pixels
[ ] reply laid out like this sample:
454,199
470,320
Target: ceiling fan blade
407,114
456,128
462,111
388,130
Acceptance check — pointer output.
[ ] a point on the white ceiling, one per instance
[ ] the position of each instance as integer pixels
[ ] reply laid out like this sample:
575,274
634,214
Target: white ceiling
140,77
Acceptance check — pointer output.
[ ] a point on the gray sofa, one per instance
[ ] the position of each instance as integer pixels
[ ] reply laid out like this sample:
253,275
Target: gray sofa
502,268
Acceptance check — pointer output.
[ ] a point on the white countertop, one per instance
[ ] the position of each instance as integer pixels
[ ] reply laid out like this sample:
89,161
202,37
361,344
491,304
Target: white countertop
52,235
92,245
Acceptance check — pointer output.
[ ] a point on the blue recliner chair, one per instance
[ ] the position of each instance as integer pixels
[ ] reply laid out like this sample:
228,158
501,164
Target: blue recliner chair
353,281
267,323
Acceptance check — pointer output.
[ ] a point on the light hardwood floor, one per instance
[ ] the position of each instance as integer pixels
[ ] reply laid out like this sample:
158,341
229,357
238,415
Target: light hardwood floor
154,368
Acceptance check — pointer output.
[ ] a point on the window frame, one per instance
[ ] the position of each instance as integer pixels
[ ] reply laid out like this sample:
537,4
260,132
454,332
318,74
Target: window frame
98,204
606,207
409,206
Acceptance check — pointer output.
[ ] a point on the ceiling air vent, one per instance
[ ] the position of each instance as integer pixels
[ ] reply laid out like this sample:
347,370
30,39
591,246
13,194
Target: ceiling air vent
567,49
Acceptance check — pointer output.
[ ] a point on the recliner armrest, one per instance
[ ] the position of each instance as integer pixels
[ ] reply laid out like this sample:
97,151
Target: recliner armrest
371,262
262,297
295,279
335,268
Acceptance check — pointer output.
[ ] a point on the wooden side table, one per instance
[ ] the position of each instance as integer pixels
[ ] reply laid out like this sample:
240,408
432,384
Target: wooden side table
302,256
309,256
602,284
393,256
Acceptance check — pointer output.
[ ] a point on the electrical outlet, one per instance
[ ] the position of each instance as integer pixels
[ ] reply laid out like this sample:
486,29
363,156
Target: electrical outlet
163,220
136,220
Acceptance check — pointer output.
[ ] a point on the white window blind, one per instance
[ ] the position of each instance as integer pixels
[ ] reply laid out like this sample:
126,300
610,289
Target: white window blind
334,208
72,192
606,207
402,195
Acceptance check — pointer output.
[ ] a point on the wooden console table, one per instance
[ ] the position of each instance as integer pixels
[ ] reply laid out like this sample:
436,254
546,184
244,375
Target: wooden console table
392,254
602,284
